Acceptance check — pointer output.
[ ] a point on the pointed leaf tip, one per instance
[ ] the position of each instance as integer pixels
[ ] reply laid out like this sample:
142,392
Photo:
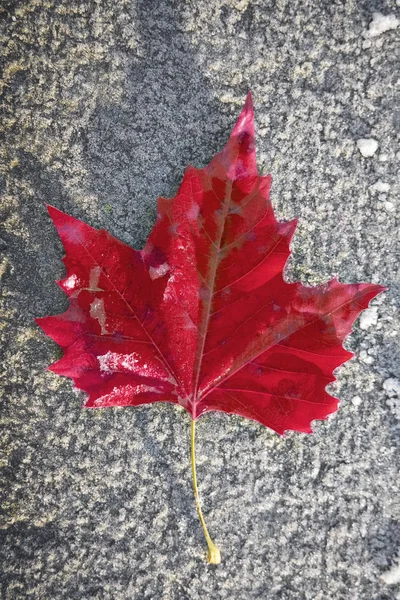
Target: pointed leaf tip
245,121
249,101
56,214
238,157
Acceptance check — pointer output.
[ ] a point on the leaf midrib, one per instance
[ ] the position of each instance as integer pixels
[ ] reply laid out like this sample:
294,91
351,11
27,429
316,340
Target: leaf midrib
212,280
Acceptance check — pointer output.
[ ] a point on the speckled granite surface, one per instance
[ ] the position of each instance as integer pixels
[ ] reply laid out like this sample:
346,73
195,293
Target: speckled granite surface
104,104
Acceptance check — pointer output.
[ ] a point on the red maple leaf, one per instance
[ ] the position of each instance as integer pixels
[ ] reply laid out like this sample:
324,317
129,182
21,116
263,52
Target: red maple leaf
202,316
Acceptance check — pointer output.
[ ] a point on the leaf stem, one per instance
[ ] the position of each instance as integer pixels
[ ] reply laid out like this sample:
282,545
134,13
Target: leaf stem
214,555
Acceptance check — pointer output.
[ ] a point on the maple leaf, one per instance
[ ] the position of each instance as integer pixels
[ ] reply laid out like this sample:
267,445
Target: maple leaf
202,316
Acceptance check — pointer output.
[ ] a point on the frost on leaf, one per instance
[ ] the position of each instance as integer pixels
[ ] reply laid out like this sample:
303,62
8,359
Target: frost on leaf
202,316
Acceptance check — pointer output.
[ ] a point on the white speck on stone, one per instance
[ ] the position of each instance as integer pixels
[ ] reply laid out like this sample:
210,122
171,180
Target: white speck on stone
383,157
366,358
369,318
366,44
157,272
367,146
380,186
392,386
356,401
389,206
381,23
392,576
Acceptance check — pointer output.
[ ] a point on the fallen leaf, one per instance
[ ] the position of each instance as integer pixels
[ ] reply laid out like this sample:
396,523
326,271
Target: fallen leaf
202,316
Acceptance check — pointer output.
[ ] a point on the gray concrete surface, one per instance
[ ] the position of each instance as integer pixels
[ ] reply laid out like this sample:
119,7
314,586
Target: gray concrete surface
104,103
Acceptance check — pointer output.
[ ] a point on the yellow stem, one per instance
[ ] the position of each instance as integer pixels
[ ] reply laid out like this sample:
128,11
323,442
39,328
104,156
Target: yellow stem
214,555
